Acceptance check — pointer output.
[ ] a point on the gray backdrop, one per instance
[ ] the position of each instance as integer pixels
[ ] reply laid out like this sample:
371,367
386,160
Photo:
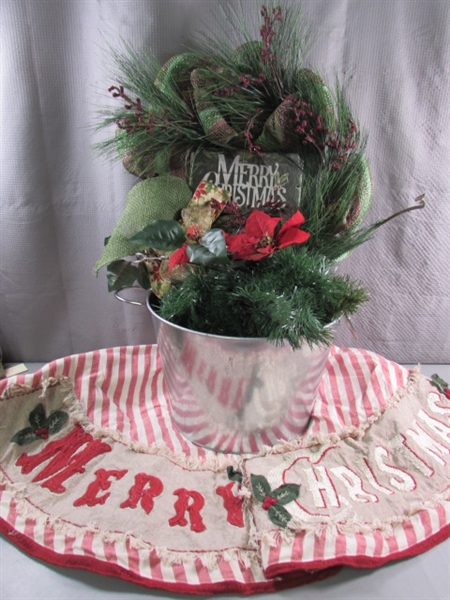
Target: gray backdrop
59,200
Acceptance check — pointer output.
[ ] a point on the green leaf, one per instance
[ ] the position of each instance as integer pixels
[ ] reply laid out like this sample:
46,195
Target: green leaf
214,241
211,251
260,487
279,515
142,277
120,273
56,421
24,436
286,493
37,417
162,235
439,383
159,197
200,255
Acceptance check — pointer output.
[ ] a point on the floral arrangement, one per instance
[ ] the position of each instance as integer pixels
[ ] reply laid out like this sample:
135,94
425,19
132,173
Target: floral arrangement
254,183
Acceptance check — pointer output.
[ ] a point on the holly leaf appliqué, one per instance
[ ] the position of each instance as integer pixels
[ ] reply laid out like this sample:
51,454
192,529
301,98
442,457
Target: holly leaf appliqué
286,493
234,474
56,420
439,383
24,436
41,425
273,500
279,515
260,486
37,417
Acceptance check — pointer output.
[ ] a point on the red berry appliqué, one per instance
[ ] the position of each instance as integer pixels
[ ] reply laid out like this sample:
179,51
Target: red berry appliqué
268,502
42,432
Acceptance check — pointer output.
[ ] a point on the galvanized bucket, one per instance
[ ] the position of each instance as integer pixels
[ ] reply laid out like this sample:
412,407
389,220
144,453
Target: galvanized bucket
237,394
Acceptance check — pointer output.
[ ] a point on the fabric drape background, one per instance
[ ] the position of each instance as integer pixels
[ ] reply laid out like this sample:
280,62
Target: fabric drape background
59,200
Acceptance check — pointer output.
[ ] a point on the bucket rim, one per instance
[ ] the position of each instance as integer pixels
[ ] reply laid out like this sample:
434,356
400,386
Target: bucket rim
151,296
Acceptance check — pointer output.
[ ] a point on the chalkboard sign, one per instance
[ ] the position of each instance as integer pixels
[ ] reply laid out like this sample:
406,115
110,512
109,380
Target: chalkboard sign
253,181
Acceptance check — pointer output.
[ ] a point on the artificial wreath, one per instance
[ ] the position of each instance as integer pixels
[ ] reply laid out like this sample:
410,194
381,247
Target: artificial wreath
254,184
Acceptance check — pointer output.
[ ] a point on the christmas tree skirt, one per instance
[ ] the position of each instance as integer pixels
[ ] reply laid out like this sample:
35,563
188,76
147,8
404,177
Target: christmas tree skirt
94,476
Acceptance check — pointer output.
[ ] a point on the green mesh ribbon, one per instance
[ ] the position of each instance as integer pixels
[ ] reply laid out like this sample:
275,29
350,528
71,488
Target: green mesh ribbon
187,75
157,198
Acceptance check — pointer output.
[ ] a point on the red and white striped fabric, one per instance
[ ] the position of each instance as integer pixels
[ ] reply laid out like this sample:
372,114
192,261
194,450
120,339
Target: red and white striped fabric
373,487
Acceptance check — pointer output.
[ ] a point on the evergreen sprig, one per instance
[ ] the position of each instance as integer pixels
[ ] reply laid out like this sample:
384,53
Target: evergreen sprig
153,118
293,296
239,48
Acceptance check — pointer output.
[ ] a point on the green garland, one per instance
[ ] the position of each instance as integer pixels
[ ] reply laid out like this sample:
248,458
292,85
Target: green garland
293,294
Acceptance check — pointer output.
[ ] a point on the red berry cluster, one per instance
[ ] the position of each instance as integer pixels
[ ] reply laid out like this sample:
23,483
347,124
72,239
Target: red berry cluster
148,124
268,33
311,130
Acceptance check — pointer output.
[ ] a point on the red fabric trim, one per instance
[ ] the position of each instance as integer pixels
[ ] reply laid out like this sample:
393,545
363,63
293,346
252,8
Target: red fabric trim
364,562
88,563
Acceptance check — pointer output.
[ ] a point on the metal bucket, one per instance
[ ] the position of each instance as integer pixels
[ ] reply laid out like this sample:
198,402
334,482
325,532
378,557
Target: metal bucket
237,394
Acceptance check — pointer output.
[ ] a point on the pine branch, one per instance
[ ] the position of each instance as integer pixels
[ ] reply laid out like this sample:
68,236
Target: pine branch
292,297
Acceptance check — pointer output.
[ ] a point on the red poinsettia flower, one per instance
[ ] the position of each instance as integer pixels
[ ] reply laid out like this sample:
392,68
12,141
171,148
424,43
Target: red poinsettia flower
259,239
179,257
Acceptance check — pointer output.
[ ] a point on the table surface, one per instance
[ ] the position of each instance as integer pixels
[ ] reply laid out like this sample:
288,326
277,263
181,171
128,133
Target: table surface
423,577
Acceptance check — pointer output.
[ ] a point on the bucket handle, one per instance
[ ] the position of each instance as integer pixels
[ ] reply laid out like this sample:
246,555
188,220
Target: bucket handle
122,299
